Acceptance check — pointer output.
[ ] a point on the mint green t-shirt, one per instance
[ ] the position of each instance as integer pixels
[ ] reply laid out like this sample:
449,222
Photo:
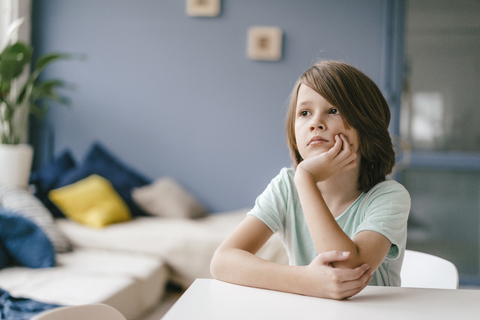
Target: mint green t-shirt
383,209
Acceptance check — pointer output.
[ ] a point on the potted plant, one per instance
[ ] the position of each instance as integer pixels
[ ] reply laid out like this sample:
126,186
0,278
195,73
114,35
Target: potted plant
22,93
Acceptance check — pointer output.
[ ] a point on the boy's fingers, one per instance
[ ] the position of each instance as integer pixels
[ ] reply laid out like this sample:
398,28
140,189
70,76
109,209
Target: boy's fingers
350,165
349,155
346,145
337,147
358,274
332,256
352,292
349,162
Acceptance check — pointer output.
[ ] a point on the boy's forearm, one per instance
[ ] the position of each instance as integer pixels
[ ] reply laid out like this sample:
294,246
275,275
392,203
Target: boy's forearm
318,279
241,267
324,229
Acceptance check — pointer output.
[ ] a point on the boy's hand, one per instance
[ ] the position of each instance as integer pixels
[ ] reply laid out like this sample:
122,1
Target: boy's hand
340,158
325,281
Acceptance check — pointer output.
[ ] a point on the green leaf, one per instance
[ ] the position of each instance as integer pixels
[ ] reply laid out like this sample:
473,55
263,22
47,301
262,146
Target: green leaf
38,111
13,61
45,60
36,95
46,89
25,92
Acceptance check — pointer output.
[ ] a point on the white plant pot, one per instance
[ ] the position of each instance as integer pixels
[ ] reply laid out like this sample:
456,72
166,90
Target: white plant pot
15,164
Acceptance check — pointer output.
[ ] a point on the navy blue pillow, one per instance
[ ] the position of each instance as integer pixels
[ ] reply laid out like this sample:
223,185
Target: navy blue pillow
99,161
46,179
25,242
4,256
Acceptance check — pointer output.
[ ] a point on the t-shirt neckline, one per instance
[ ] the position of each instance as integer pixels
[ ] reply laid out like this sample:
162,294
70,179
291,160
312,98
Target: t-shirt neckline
351,206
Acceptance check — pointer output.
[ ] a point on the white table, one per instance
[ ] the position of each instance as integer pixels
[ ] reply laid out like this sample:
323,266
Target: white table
216,300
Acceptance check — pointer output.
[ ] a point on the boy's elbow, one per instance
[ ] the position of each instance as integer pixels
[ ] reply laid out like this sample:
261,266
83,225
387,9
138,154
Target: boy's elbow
215,265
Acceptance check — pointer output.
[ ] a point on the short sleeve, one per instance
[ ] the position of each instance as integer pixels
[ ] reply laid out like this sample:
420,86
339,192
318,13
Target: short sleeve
386,212
271,206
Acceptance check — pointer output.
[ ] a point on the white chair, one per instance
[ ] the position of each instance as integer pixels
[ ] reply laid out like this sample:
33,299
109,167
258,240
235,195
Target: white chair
423,270
96,311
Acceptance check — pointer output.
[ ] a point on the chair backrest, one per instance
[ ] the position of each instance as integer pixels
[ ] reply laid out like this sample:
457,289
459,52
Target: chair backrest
423,270
97,311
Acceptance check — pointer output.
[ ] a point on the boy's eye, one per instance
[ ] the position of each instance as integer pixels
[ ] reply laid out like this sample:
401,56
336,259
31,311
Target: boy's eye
333,111
304,113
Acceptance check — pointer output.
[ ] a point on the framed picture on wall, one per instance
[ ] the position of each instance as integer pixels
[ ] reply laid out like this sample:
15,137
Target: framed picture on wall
264,43
203,8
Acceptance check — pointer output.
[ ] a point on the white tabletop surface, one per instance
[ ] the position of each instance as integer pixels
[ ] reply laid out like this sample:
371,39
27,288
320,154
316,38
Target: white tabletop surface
213,299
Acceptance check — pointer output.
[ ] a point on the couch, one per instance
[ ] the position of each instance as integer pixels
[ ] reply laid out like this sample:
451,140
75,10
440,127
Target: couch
127,265
96,255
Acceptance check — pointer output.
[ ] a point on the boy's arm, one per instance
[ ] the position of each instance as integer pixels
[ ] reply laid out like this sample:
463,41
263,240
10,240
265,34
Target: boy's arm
366,247
235,262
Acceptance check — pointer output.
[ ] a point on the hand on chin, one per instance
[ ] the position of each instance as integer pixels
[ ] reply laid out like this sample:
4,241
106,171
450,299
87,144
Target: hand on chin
324,164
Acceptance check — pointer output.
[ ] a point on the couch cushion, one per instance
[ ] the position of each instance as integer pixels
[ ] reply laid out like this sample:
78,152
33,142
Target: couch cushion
67,287
149,271
187,246
99,161
24,241
24,203
129,282
166,198
91,201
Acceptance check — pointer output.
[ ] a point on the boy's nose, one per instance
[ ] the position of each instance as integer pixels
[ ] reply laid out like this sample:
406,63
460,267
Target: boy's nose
314,126
317,123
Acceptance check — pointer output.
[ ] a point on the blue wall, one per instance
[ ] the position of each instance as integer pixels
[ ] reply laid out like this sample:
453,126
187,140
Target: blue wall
173,95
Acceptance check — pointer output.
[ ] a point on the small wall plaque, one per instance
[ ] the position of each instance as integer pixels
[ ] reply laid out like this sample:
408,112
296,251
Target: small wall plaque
203,8
264,43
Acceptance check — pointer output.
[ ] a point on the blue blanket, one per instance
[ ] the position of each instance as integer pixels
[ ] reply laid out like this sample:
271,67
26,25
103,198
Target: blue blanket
12,308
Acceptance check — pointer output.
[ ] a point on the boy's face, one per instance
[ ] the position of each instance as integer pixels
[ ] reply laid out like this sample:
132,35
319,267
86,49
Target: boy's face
316,124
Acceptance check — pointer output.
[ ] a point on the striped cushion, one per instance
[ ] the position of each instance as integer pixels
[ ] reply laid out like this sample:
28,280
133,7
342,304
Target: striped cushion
27,205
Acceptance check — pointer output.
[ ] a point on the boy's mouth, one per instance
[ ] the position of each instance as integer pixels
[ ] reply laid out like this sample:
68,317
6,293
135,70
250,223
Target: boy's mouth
317,140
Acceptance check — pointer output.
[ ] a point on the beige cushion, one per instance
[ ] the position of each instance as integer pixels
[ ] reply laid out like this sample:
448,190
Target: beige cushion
166,198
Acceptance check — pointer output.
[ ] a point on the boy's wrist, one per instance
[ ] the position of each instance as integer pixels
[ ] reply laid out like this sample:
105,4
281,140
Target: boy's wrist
303,177
302,174
299,283
304,281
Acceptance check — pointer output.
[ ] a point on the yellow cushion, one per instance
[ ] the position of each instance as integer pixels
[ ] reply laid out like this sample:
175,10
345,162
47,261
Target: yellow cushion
92,201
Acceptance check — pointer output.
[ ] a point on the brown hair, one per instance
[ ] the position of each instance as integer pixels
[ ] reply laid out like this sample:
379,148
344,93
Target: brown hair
361,105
